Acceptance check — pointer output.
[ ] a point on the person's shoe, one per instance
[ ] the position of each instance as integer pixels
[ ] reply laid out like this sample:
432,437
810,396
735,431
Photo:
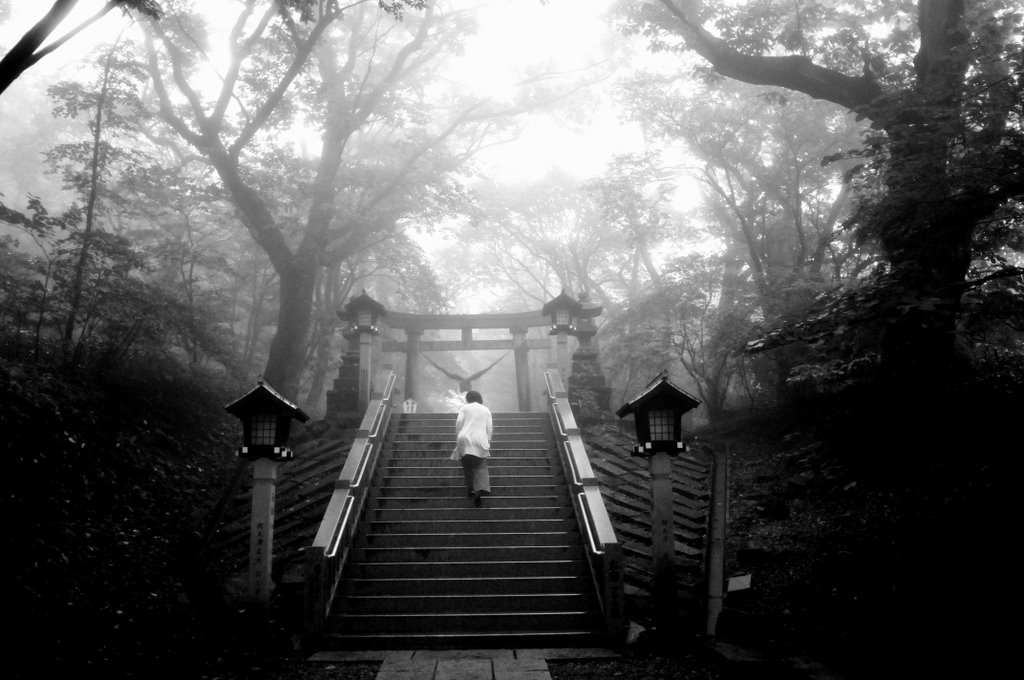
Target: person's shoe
478,499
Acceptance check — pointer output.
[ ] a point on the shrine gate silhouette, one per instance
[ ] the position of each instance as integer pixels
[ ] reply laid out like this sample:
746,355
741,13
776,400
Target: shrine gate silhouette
563,315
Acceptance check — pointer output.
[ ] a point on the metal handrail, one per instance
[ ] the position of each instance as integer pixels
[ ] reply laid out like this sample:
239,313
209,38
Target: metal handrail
325,558
572,465
364,460
382,406
558,420
590,532
604,551
547,383
332,548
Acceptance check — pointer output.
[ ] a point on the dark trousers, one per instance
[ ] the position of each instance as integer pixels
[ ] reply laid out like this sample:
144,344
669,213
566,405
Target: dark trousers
478,480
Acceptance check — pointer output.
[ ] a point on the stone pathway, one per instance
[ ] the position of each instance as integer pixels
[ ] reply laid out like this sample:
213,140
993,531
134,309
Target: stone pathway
464,664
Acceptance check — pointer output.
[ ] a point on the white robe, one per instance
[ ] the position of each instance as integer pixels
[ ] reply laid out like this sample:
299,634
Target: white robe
475,428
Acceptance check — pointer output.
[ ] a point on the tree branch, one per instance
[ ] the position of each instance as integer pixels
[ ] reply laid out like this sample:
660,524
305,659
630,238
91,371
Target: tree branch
274,98
793,72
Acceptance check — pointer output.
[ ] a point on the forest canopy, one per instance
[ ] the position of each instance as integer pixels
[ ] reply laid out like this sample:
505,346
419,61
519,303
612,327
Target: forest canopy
807,213
827,193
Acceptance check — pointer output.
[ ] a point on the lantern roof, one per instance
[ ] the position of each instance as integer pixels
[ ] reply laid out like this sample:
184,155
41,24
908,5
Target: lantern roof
364,301
563,301
587,308
265,399
660,390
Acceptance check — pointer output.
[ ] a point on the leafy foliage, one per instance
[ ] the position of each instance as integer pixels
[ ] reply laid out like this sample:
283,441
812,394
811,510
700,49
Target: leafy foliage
111,472
935,179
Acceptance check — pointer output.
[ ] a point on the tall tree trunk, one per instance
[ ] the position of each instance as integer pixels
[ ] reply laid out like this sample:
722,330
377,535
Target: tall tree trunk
919,341
926,233
927,239
326,308
96,165
288,349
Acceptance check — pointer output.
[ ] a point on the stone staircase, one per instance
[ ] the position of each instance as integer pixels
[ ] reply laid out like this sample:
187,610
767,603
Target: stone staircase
429,569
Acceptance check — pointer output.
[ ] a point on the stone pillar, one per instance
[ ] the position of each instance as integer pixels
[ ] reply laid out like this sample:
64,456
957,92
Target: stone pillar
365,370
522,355
662,539
562,355
412,362
343,397
587,388
588,394
261,534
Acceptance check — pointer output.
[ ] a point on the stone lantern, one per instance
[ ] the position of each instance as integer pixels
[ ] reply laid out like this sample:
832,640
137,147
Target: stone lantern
266,423
563,311
588,392
363,314
657,413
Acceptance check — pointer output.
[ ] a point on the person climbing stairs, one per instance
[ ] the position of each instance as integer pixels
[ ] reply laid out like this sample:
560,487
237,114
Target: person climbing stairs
429,568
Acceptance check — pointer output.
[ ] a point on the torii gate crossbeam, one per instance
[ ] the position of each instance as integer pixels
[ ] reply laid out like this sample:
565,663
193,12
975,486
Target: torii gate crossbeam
517,323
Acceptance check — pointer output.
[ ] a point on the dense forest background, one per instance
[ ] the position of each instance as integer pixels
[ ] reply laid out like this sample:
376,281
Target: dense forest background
822,224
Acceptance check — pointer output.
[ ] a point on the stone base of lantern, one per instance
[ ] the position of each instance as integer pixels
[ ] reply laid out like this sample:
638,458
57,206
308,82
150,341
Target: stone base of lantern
343,398
588,393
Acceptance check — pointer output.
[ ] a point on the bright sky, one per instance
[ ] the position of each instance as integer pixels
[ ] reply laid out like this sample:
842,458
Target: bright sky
565,34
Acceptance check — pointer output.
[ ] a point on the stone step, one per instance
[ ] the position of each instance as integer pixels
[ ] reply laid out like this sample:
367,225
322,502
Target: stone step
488,569
555,639
499,434
463,585
455,478
495,415
428,567
470,526
461,623
389,551
469,539
498,441
461,603
497,452
449,428
457,489
430,516
458,500
447,468
411,454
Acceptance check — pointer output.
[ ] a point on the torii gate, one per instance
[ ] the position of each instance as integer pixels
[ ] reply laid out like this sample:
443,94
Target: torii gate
518,324
560,315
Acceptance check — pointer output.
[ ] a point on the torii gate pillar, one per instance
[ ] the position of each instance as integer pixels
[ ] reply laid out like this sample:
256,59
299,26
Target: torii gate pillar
522,354
412,362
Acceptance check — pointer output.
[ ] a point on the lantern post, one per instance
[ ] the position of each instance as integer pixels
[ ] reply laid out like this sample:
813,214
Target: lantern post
563,311
657,414
266,421
363,314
